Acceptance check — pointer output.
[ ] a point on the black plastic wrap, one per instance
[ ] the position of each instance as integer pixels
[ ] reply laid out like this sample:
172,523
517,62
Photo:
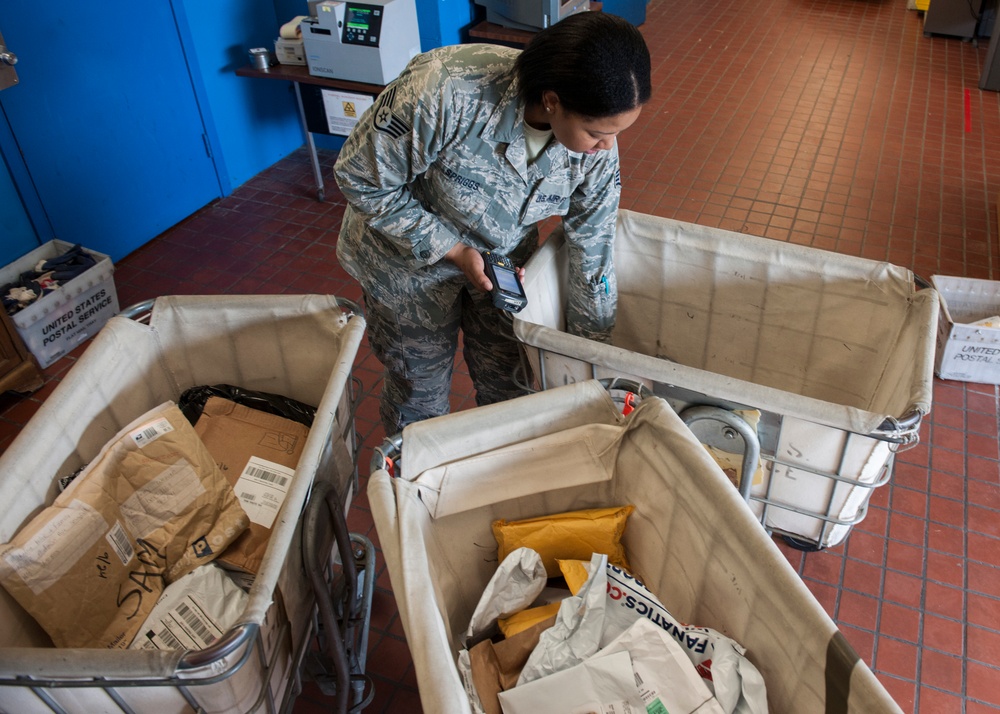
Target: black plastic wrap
192,402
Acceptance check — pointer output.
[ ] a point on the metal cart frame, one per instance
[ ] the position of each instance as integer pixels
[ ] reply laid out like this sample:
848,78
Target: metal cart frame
691,540
307,606
835,352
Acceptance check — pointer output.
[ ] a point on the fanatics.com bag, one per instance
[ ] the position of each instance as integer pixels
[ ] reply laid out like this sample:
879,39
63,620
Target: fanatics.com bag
721,662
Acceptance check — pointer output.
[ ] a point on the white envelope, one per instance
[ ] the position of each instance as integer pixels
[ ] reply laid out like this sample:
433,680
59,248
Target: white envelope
599,685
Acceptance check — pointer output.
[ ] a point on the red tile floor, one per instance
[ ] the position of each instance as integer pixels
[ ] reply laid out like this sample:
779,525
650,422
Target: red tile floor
831,123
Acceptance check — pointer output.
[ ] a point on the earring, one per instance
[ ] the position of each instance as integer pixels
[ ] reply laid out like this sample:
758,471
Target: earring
548,109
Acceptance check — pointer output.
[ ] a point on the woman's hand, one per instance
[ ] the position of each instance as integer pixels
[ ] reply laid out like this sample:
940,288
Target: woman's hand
472,264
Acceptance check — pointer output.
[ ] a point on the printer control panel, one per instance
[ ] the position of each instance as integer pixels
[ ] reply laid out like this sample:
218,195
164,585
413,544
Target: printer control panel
362,25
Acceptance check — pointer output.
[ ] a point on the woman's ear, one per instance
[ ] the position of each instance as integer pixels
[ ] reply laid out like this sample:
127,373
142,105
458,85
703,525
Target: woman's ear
550,101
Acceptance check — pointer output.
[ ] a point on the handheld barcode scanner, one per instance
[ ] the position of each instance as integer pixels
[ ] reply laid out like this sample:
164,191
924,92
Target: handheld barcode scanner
507,293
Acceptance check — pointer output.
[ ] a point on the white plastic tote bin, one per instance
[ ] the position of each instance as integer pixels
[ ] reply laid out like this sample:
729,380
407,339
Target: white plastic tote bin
302,347
691,539
836,352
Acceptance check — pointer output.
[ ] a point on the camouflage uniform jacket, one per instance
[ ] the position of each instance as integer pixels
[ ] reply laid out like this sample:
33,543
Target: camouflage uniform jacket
441,158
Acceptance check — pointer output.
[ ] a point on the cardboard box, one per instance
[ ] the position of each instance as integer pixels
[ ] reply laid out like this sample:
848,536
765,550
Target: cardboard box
56,323
967,352
258,453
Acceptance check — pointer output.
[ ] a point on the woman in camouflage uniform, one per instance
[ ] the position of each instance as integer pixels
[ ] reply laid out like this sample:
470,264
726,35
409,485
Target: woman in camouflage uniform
467,150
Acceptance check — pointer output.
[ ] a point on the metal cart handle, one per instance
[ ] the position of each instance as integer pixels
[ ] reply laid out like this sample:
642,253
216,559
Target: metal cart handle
731,421
141,311
325,498
346,637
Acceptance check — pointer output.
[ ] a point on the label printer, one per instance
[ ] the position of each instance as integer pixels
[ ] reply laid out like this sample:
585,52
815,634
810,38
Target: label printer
367,42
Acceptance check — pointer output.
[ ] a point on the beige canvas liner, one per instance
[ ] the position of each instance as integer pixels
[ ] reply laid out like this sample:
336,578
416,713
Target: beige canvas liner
691,539
299,346
836,351
841,341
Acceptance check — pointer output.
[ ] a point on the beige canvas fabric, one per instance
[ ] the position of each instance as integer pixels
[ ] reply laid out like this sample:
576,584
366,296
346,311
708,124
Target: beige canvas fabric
300,346
842,341
691,540
831,345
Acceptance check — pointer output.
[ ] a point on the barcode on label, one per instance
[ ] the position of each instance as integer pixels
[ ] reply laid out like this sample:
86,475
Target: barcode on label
120,542
263,475
167,638
151,432
194,621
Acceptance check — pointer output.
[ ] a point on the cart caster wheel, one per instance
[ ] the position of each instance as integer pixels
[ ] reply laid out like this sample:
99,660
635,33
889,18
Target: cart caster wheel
806,546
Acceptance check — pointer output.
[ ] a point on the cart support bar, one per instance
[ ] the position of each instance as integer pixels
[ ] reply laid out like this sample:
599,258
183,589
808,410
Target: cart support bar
751,446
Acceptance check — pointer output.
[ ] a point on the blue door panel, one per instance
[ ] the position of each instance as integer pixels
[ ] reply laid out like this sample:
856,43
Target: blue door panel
17,237
106,120
251,122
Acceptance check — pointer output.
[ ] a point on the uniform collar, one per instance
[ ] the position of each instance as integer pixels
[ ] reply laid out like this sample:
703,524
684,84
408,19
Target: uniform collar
506,126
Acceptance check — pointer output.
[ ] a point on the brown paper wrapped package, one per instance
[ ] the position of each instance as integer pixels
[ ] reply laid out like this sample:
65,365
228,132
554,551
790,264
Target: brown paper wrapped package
234,433
496,666
146,511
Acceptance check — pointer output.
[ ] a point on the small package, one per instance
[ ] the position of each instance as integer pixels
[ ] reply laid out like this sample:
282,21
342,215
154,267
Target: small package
572,535
495,666
150,508
518,580
193,612
643,670
258,453
526,619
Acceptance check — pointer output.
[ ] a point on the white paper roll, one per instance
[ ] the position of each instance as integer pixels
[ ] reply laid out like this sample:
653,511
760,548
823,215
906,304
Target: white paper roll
291,30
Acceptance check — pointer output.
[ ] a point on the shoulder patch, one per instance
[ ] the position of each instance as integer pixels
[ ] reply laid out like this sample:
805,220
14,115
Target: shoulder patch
385,120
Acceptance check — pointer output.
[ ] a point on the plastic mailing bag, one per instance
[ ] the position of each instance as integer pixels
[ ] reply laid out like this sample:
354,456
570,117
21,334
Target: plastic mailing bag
299,346
692,539
837,352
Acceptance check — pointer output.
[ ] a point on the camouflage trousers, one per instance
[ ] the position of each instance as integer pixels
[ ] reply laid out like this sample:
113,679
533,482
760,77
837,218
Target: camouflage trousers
413,329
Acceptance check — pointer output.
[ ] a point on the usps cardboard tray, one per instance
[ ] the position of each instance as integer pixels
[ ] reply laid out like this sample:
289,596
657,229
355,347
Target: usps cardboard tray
968,352
56,323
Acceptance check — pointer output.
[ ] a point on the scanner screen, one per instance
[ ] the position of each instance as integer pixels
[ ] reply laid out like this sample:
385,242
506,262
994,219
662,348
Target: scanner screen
507,280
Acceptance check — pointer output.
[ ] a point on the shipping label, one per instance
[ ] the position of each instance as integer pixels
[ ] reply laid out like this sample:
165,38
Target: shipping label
186,626
148,433
261,489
